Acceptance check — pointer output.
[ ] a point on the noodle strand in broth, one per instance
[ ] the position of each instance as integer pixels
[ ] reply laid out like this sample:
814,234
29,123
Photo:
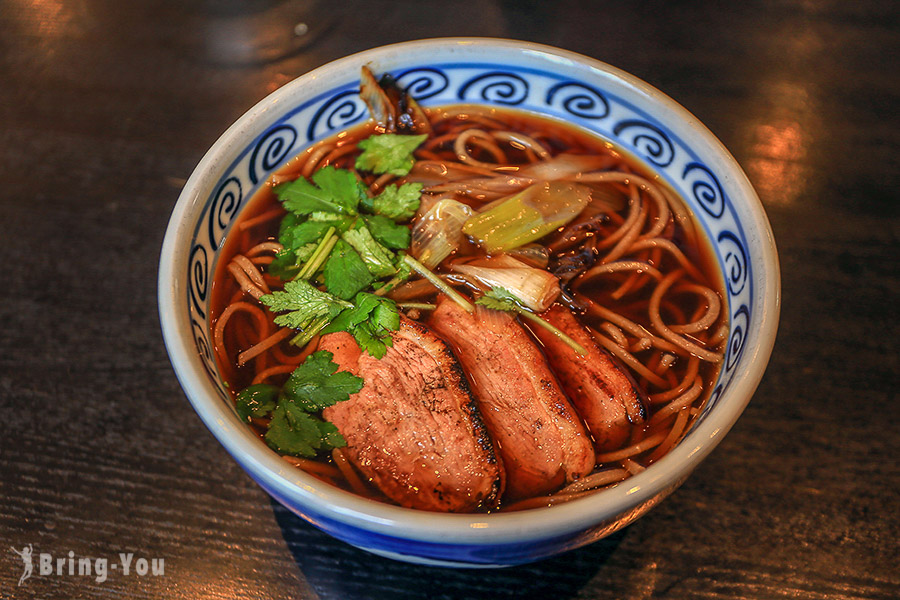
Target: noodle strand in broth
630,266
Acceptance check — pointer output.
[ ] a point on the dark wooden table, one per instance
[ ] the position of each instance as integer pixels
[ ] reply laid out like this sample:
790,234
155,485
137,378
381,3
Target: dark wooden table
107,105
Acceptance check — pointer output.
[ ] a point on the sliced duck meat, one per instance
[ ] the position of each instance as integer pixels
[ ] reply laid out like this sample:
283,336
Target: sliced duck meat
541,441
413,429
603,392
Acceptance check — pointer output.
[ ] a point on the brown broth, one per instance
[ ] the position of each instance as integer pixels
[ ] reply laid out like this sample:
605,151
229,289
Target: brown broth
559,138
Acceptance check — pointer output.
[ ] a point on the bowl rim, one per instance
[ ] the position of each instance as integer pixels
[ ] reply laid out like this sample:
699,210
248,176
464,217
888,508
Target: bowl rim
478,529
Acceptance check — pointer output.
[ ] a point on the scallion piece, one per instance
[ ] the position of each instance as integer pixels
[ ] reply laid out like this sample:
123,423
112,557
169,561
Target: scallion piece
528,215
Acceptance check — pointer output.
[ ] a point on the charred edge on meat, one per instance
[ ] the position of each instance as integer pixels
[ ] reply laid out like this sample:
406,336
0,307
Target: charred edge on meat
482,437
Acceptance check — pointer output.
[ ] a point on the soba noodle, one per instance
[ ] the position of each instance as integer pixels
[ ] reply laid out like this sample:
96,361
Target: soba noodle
637,276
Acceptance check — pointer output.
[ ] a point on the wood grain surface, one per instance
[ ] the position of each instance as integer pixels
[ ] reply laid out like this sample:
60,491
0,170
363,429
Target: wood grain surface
107,105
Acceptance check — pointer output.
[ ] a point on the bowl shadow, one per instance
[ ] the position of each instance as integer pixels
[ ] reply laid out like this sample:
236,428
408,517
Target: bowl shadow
337,570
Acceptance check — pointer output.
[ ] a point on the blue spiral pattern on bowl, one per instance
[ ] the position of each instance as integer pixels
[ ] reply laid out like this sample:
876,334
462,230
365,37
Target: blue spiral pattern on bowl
740,320
339,112
648,140
587,104
495,87
202,341
226,203
198,279
706,189
578,99
734,258
422,84
271,151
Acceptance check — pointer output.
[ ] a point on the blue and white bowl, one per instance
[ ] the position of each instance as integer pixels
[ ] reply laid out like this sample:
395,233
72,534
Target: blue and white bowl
540,79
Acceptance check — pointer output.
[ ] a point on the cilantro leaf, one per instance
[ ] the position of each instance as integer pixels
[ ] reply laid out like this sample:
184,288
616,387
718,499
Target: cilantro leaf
369,340
302,197
303,304
331,190
352,317
339,222
498,298
298,433
388,233
295,427
256,401
345,272
293,431
403,268
300,239
308,232
289,221
398,203
314,385
388,153
343,185
385,317
378,259
305,252
330,436
374,334
370,321
285,264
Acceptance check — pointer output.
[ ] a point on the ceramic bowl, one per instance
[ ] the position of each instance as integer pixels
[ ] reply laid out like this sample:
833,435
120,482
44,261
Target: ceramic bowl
602,99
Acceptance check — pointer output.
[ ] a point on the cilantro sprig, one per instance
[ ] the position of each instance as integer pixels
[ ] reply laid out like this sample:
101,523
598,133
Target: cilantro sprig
303,307
331,190
389,153
498,298
370,321
386,232
339,244
335,202
342,249
315,384
397,203
345,272
378,259
257,400
295,426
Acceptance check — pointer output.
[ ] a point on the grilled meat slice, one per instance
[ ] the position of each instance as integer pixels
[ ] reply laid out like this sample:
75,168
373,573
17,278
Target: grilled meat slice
413,429
541,440
603,392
